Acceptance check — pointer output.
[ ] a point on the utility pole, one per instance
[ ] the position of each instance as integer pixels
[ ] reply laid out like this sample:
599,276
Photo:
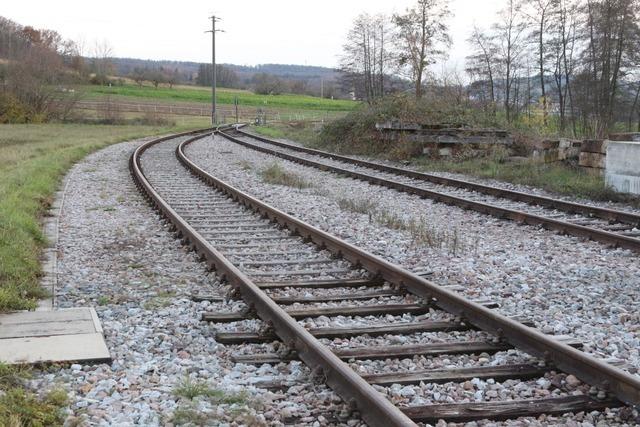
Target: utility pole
214,115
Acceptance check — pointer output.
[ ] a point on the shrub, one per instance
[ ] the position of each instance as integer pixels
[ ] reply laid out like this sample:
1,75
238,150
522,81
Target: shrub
356,132
12,110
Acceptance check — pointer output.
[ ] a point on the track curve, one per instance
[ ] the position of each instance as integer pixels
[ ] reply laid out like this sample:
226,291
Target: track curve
609,226
215,219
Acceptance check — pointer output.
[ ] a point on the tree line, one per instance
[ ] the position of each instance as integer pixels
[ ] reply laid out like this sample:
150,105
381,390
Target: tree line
570,64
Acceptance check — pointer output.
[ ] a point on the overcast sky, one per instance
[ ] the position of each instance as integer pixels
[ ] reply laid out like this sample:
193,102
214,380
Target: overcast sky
256,32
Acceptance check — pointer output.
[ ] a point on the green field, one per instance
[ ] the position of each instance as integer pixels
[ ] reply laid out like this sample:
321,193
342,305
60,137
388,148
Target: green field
33,159
225,96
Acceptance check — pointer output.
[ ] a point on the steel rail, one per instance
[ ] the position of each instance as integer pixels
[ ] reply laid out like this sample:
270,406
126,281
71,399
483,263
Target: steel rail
519,196
623,385
375,409
486,208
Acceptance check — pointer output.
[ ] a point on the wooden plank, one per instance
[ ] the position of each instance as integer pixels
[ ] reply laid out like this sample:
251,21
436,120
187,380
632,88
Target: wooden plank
240,263
346,332
502,410
431,349
338,297
498,373
258,273
392,351
206,297
384,352
321,284
359,310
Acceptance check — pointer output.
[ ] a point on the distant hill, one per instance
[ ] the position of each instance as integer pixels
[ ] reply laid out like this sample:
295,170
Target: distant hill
125,66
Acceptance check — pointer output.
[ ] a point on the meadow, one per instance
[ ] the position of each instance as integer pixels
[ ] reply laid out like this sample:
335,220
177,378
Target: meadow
225,96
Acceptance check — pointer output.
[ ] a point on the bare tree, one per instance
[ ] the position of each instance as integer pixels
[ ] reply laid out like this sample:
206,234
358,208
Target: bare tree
365,55
563,22
611,37
422,33
539,14
102,65
509,33
482,62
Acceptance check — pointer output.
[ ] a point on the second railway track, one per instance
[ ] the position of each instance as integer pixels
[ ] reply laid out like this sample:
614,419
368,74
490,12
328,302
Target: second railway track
609,226
290,273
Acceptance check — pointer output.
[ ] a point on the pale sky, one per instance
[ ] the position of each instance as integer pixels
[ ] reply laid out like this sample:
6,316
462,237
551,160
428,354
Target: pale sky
256,32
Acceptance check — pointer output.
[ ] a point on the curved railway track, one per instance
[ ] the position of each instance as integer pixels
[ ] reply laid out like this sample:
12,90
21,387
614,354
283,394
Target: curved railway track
609,226
289,273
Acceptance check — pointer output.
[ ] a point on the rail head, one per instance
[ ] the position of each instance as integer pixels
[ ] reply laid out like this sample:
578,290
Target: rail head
623,385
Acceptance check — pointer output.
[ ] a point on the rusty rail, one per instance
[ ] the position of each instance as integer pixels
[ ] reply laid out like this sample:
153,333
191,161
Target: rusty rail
486,208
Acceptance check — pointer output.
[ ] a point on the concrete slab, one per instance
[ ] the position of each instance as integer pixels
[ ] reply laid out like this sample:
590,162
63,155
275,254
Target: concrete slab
623,166
69,335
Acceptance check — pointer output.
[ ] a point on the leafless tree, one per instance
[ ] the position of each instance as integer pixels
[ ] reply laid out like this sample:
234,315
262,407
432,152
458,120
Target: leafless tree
481,64
540,16
422,35
509,35
366,57
102,54
611,36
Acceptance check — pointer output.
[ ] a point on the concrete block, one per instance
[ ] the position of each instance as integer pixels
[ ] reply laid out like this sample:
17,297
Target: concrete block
444,152
594,146
592,160
626,136
623,166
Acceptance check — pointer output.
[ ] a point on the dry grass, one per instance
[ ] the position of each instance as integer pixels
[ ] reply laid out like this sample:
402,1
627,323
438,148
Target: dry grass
421,231
276,174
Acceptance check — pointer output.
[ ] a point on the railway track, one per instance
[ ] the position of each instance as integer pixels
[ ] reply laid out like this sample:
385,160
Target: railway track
291,274
609,226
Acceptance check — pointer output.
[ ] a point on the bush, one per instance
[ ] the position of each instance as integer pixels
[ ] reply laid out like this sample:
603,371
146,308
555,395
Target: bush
12,110
151,118
356,133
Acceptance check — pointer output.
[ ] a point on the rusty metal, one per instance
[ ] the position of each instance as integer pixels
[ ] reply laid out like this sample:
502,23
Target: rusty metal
602,236
624,386
375,409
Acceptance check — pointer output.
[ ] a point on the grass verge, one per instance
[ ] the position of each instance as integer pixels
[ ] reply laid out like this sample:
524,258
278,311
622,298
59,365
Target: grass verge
22,407
33,159
304,132
559,178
